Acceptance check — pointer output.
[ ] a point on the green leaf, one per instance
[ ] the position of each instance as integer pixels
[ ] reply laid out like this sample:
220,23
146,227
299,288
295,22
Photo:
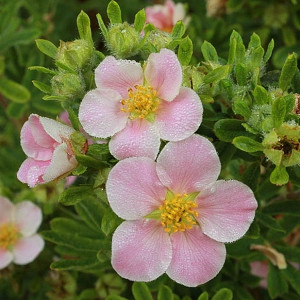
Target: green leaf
279,175
42,70
269,51
141,291
276,282
45,88
247,144
251,176
241,107
56,98
256,57
91,210
268,221
223,294
254,41
240,52
241,74
232,51
164,293
139,20
84,27
47,48
290,207
278,111
185,51
178,30
288,71
254,231
75,194
14,91
203,296
16,110
114,12
2,65
74,264
261,96
217,74
227,129
115,297
293,276
102,26
110,221
209,52
291,253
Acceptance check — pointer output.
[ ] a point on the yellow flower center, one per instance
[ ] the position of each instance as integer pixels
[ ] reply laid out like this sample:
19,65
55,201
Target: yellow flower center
177,213
142,103
9,234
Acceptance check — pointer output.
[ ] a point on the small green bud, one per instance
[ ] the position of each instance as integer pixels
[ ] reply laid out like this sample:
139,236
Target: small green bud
76,54
282,145
123,40
68,85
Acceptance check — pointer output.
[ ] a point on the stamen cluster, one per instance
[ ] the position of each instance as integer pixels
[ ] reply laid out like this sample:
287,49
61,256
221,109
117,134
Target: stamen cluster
178,214
9,234
141,102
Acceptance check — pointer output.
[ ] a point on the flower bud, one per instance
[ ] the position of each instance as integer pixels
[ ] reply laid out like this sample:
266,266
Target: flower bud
123,40
76,54
68,85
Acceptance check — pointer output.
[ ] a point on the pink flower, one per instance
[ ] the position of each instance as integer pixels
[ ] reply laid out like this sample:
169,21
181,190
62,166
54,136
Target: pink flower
260,269
164,17
138,106
47,144
19,242
177,214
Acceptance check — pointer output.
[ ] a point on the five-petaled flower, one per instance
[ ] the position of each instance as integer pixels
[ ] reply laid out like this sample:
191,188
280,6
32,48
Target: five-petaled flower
19,242
177,214
47,144
138,107
164,17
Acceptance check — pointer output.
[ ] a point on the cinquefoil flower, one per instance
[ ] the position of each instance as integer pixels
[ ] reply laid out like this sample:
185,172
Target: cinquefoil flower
19,242
139,106
177,214
47,144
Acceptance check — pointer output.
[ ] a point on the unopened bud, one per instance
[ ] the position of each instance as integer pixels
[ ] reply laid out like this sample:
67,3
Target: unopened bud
123,40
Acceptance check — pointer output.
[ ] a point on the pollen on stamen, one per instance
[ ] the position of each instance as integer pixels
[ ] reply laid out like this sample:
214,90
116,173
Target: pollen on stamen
141,102
9,234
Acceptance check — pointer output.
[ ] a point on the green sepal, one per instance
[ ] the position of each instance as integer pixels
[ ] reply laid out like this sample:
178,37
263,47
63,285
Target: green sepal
275,156
278,111
84,27
102,26
114,12
269,51
47,48
45,88
247,144
139,20
254,41
261,96
43,70
279,175
288,71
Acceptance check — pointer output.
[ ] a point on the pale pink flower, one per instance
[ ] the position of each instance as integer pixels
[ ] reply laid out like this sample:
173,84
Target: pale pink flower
138,106
164,17
260,269
47,144
178,216
19,242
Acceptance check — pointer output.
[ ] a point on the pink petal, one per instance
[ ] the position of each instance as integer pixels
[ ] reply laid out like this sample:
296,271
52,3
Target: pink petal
27,249
6,210
31,147
138,138
100,113
179,13
181,117
28,217
226,210
5,258
159,16
118,75
189,165
39,134
31,171
133,188
196,258
141,250
57,130
163,72
61,163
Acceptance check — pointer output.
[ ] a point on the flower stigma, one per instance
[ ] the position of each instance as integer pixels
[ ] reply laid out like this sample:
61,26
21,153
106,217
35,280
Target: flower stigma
177,213
9,234
142,103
